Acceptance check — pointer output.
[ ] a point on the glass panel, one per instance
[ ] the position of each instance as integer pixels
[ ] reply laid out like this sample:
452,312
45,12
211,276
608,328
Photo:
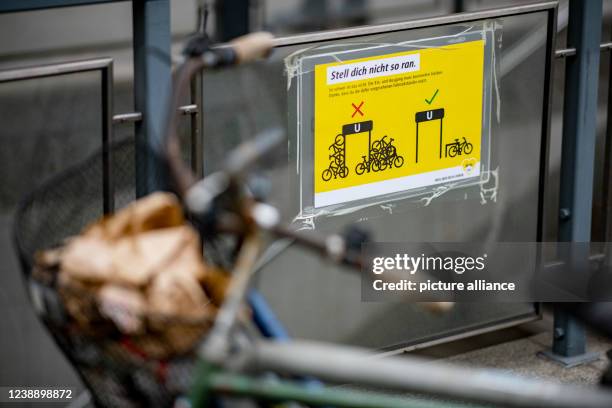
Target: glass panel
49,124
318,300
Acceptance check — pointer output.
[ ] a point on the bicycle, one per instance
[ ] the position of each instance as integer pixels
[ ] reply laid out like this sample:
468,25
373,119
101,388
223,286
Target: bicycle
393,161
385,148
457,148
225,360
337,148
335,170
337,159
339,140
386,154
231,361
337,166
367,165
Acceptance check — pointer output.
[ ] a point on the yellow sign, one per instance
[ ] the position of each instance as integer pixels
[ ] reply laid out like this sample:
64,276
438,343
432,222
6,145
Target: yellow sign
397,122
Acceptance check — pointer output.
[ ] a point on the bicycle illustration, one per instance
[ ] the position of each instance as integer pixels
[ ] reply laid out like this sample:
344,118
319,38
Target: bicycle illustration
427,116
383,147
458,148
337,166
338,146
372,164
391,162
386,154
382,153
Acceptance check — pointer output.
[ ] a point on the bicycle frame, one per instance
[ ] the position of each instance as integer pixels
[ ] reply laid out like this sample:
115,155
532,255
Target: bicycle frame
225,357
348,365
214,381
481,386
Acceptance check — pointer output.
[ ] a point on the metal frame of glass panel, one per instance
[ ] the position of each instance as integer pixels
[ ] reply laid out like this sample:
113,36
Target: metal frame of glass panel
551,8
105,66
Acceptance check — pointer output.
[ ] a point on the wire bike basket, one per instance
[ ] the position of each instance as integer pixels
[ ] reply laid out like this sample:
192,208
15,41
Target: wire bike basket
146,369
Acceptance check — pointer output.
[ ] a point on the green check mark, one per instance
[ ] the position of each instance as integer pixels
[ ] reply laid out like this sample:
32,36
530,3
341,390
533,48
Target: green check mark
430,100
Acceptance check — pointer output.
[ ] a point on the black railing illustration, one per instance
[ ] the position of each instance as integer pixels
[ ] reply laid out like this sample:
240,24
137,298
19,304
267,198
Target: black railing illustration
426,116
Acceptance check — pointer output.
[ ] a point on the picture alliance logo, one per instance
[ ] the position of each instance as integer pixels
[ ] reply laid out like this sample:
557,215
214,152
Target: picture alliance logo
404,262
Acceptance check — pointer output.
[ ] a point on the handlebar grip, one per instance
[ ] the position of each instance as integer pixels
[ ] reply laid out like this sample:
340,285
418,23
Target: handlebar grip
252,46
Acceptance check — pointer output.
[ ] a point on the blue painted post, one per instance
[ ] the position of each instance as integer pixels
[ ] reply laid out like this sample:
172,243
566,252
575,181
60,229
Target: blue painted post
152,84
578,157
265,319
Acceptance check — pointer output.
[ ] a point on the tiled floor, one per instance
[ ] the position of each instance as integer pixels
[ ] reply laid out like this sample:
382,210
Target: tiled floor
520,357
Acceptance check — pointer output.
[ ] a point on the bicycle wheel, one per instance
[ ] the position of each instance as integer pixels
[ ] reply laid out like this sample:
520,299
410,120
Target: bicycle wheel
339,140
375,166
343,171
467,148
383,164
327,175
360,169
338,160
453,150
398,161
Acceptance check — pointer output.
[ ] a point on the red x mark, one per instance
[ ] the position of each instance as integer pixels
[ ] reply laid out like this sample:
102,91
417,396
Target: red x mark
357,109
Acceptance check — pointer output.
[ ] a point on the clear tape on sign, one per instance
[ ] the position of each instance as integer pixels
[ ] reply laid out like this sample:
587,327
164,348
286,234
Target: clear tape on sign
399,120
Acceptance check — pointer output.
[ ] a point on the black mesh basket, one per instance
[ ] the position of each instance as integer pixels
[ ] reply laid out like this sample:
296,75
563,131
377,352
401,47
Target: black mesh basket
118,370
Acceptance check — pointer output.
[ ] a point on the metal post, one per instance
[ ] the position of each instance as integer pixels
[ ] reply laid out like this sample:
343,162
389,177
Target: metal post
458,6
315,14
607,179
108,187
152,81
356,11
441,121
369,145
578,156
233,19
197,144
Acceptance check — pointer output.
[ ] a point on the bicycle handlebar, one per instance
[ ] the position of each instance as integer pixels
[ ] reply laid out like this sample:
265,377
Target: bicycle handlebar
200,57
200,195
252,46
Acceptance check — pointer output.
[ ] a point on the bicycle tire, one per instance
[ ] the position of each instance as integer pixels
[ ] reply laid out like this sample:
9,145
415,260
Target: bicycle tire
383,164
398,161
391,151
339,140
326,175
338,160
375,166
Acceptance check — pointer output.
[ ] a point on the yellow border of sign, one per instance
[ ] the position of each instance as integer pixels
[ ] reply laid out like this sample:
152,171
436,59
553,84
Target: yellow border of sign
445,88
